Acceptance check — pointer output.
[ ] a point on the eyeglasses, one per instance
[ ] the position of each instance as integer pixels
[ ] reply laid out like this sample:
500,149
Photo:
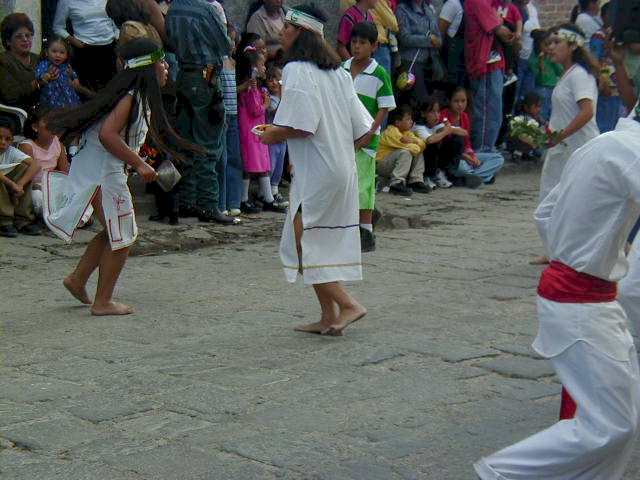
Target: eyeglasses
23,36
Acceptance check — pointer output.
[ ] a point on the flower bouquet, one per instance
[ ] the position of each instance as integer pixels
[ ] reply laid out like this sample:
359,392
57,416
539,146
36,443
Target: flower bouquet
527,131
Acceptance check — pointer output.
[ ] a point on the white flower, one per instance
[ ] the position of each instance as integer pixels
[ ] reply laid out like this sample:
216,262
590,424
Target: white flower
533,123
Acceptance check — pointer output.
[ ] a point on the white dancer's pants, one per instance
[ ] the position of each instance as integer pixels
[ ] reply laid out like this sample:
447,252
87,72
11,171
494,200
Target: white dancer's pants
629,287
597,443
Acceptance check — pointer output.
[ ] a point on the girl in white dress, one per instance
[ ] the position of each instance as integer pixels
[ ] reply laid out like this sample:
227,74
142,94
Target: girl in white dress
320,118
573,106
573,103
113,126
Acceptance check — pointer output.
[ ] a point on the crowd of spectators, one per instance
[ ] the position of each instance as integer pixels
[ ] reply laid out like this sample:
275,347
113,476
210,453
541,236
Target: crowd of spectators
455,71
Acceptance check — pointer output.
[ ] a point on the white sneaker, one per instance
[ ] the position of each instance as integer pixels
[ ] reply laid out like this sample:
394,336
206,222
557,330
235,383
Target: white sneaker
441,179
494,57
509,80
430,183
234,212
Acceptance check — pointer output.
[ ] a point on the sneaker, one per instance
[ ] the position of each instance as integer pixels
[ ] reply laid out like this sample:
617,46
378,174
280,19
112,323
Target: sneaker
249,208
420,187
273,207
234,212
400,189
367,240
472,181
31,229
280,200
441,179
509,80
494,57
8,231
430,183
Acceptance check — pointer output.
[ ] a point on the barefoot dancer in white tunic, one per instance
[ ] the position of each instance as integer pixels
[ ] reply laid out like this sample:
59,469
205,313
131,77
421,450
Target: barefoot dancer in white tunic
320,117
584,223
113,126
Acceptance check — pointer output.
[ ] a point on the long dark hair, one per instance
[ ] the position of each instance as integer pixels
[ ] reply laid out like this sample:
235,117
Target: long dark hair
580,7
243,64
142,81
121,11
311,47
581,55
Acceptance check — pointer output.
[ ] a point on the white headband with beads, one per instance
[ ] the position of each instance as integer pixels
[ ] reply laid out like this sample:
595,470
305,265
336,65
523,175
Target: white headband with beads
571,37
304,20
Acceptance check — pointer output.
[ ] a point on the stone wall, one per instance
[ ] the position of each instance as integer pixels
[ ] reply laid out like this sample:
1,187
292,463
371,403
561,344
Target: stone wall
554,12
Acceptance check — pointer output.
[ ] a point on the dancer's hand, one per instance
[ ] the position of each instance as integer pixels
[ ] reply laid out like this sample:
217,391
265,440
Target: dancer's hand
18,191
146,171
364,140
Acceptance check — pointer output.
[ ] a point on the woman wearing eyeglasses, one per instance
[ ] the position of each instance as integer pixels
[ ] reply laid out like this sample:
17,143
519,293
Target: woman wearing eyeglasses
18,84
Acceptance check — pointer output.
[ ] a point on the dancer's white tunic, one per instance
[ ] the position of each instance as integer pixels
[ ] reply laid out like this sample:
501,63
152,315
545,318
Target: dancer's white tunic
575,85
629,288
584,224
325,184
67,198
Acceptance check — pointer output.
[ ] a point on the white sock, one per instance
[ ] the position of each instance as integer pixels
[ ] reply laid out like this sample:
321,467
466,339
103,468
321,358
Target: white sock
265,189
367,226
245,189
274,190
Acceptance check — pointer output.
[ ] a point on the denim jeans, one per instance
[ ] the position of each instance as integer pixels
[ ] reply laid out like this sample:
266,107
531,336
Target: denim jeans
382,55
487,110
545,95
490,164
221,169
608,113
196,98
277,153
526,80
233,161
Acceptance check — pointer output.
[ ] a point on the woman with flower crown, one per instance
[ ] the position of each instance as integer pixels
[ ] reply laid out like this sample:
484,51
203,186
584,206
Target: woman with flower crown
573,106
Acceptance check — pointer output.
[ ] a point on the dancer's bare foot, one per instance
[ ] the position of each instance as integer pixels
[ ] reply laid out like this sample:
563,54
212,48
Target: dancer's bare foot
316,327
111,308
541,260
326,320
347,316
77,290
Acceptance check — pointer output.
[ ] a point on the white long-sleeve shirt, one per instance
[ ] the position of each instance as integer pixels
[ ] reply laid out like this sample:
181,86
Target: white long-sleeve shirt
585,220
90,22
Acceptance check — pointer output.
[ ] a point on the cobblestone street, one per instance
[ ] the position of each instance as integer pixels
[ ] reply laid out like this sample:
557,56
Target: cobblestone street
209,381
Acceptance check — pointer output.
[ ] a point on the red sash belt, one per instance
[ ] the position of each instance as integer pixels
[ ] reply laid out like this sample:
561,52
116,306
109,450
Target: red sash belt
561,283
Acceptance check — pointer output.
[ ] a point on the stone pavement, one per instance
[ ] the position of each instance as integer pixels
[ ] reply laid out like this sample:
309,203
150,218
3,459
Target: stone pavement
208,380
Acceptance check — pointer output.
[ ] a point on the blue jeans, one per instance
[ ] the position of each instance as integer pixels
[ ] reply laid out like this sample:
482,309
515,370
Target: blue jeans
221,170
608,113
526,80
277,153
491,163
634,232
234,167
487,110
382,55
545,95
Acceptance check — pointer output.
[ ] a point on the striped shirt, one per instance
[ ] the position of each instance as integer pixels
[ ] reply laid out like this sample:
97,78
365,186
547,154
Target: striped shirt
229,91
374,89
196,33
